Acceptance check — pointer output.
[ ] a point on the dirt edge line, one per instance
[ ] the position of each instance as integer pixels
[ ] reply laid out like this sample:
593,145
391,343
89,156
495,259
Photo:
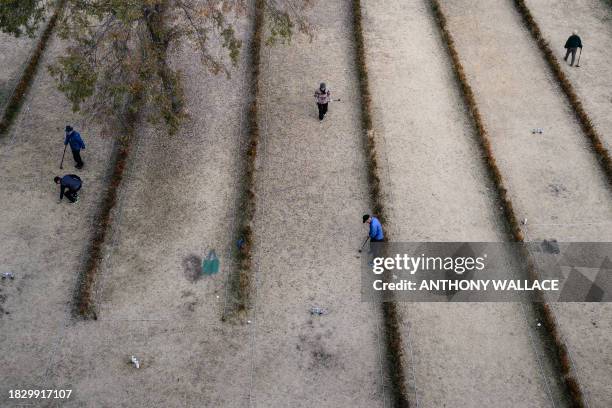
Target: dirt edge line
241,285
27,76
391,320
586,124
557,349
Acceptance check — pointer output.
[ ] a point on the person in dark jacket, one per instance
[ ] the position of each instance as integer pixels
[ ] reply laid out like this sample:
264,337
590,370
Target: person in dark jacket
70,185
572,44
76,144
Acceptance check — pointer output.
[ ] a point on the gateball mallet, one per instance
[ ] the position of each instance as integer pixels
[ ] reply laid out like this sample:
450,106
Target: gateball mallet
579,55
62,162
362,245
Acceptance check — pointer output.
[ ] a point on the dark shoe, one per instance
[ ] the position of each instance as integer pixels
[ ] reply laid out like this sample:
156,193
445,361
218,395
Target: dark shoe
78,166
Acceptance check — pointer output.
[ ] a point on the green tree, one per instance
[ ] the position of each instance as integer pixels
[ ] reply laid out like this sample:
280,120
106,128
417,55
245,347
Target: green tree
117,47
18,17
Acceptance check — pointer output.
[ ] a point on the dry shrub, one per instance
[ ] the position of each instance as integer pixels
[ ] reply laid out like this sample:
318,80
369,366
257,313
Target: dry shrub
247,198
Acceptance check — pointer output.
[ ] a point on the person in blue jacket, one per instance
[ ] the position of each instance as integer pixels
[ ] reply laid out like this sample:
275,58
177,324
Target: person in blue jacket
376,232
76,144
70,185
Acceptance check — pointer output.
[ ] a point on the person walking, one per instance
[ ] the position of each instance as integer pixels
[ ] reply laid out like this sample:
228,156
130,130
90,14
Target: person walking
323,97
76,144
70,185
572,44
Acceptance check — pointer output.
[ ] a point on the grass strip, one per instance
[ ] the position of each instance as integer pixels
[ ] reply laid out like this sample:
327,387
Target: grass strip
391,317
82,304
247,200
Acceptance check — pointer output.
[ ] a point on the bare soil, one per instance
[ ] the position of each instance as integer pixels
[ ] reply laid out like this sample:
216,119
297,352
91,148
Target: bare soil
178,203
467,355
43,242
553,178
179,200
593,21
586,326
308,229
14,53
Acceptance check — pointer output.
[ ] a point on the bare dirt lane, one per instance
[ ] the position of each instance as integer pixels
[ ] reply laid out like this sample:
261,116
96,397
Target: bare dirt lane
593,20
14,53
177,201
42,242
312,194
553,178
467,355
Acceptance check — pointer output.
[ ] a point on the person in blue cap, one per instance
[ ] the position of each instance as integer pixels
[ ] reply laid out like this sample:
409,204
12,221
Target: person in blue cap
76,144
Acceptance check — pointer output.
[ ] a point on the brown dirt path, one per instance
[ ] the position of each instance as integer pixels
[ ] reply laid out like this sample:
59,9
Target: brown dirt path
42,242
593,20
467,355
14,53
178,200
586,326
312,193
553,178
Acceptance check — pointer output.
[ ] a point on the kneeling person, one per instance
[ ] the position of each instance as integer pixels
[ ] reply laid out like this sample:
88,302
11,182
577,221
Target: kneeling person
70,185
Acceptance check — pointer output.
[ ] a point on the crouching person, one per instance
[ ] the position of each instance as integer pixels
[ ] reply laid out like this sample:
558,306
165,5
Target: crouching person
70,185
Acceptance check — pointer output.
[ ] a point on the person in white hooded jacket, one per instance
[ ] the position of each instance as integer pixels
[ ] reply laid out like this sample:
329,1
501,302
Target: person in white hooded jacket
323,97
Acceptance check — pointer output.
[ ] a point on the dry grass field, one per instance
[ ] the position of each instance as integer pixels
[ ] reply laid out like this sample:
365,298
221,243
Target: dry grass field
181,197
